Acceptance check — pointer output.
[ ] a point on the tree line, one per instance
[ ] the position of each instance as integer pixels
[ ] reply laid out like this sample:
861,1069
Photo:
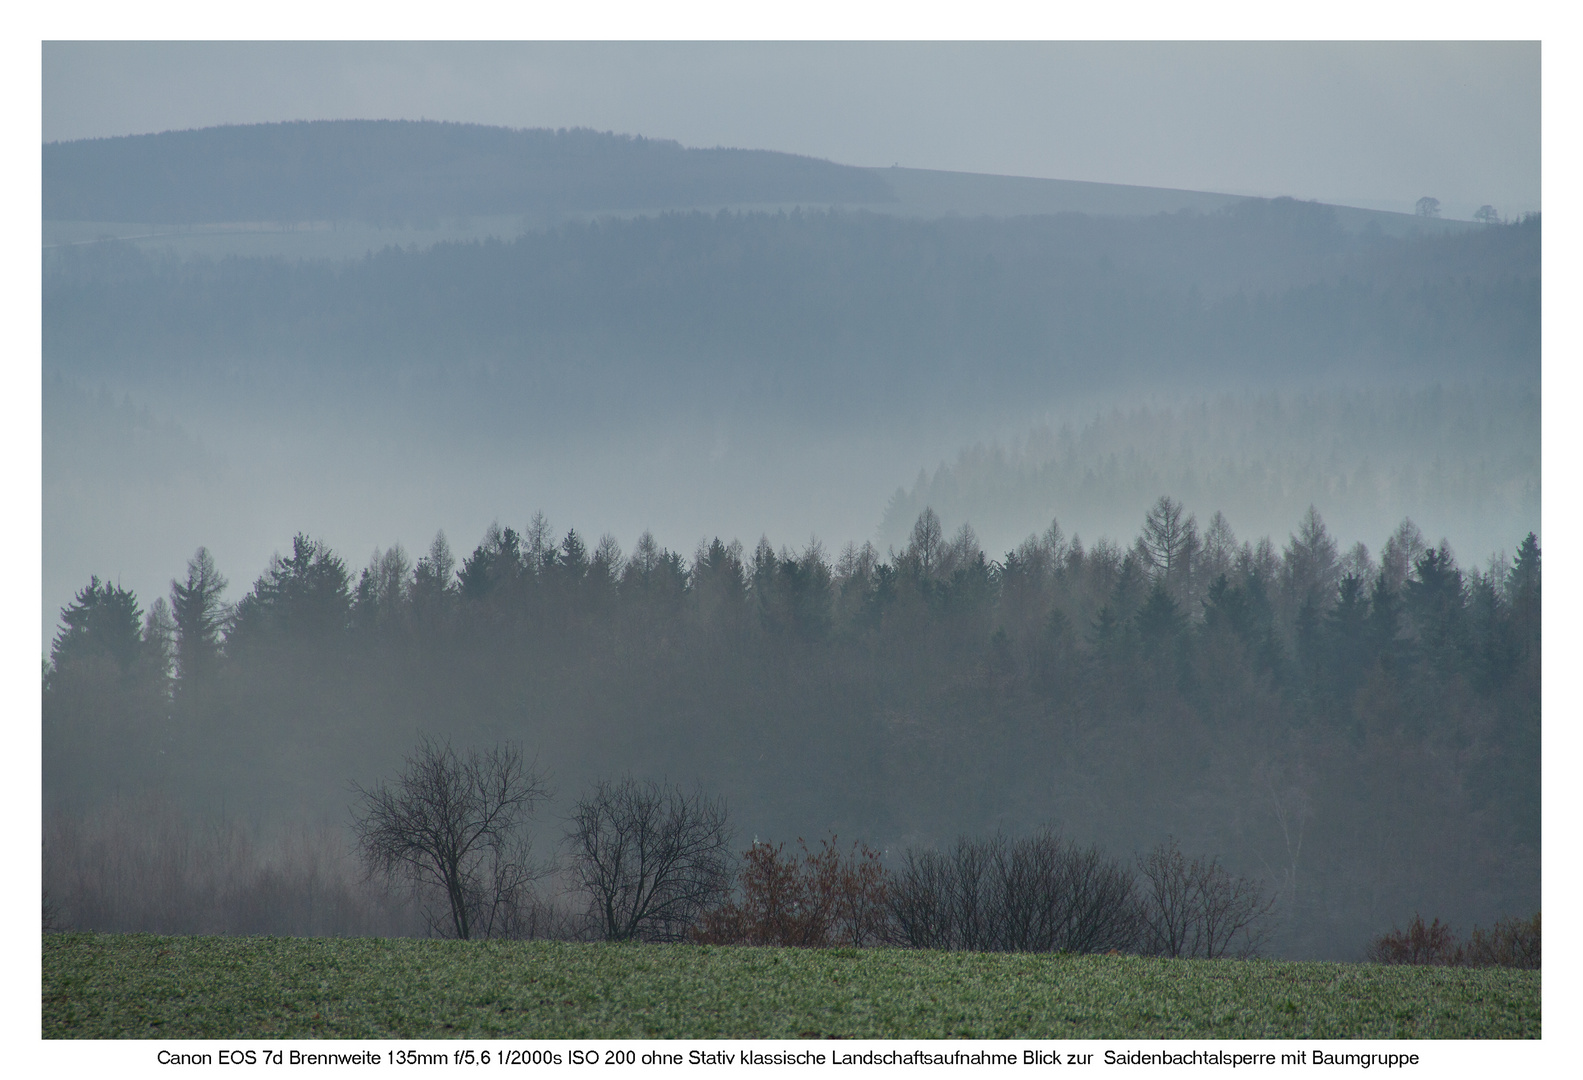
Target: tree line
1354,730
1316,620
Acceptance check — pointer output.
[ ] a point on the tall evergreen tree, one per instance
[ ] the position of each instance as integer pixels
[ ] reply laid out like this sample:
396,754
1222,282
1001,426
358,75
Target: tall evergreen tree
1384,624
1344,645
200,617
1523,588
1159,621
303,598
103,623
1437,609
1309,568
496,564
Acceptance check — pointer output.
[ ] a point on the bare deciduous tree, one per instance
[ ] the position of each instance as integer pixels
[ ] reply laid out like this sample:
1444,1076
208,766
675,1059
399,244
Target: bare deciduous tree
920,901
1169,539
1197,909
926,544
650,857
453,826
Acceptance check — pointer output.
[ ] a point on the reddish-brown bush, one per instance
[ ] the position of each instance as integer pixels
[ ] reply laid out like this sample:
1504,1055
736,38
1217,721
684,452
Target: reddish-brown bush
1511,942
826,898
1434,944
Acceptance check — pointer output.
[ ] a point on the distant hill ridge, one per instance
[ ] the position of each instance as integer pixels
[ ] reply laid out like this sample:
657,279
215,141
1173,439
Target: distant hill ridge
431,175
400,171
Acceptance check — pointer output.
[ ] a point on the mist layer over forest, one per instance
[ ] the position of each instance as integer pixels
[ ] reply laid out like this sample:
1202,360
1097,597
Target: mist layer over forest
794,368
835,373
1463,462
1362,734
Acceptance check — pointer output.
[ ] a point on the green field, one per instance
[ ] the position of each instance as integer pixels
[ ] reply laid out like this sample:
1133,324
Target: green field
142,986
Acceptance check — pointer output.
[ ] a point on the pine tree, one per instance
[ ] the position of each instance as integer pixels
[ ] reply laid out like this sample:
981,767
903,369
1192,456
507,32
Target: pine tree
103,623
200,616
304,598
1437,607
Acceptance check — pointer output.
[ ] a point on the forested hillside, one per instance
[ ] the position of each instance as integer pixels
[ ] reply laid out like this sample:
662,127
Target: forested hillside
1463,461
1358,731
797,368
830,317
414,172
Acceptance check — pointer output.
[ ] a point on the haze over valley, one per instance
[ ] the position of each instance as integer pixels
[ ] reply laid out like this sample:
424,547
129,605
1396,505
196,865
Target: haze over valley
796,367
903,504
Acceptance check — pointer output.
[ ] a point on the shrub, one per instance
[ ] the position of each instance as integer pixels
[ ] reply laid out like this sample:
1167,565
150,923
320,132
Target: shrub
1435,944
826,898
1511,942
1037,894
142,866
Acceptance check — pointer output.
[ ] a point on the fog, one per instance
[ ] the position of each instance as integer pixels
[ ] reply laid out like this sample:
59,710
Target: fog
130,492
243,488
1133,510
754,369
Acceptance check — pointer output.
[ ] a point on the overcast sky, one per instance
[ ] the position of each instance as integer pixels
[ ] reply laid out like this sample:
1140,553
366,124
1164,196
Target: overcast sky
1361,124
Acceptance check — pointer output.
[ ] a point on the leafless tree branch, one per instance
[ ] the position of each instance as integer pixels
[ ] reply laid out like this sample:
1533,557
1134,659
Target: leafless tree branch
650,857
454,827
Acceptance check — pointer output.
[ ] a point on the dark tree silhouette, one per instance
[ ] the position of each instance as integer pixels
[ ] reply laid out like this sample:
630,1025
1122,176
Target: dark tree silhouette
103,622
1038,894
1197,909
200,617
306,596
452,827
1170,539
650,857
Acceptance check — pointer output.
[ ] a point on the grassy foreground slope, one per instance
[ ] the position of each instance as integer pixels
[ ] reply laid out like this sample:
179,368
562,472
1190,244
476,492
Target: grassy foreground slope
143,986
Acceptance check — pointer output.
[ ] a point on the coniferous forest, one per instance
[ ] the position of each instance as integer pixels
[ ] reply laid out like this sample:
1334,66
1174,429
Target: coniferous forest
1359,732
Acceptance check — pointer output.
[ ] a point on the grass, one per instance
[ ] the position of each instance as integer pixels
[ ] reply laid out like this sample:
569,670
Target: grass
145,986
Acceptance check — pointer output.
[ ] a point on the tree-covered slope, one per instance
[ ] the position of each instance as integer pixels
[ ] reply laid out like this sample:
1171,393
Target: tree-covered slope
831,312
414,171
